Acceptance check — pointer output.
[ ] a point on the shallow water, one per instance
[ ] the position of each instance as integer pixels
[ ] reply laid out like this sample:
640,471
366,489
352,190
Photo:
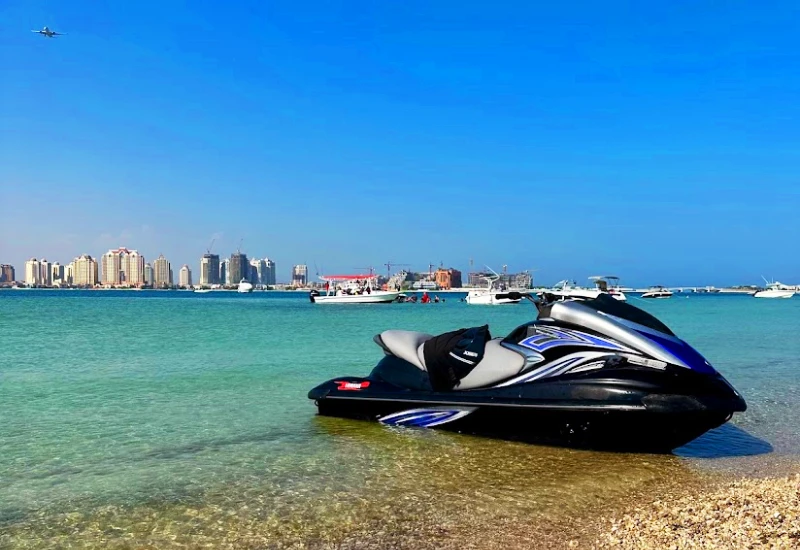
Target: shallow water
116,405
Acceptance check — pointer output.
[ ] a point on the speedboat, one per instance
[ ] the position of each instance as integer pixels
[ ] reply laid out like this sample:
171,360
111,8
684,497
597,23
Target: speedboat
352,289
614,290
564,289
490,296
774,290
657,292
244,286
595,373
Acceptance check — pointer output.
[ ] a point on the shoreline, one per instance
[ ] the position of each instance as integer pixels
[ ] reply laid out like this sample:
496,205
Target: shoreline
464,290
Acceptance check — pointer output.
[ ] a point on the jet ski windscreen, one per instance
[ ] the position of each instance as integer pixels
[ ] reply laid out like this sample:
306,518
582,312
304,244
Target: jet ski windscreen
451,356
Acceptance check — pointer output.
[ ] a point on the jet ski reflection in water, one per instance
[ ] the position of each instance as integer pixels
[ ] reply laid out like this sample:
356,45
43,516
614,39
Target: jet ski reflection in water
594,373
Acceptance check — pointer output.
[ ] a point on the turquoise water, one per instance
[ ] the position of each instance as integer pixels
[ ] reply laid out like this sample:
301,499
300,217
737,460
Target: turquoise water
165,399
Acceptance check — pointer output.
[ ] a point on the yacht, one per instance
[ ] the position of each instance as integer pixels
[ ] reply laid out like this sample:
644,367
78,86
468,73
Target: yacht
774,290
489,296
244,286
657,292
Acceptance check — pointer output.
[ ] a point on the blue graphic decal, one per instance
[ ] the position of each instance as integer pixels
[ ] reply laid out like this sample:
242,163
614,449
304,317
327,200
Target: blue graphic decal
425,418
558,367
551,370
682,351
551,337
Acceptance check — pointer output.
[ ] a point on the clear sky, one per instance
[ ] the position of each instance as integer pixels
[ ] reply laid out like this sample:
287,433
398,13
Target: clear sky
658,141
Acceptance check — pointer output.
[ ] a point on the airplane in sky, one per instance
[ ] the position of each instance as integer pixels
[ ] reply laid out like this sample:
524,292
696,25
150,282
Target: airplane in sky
48,33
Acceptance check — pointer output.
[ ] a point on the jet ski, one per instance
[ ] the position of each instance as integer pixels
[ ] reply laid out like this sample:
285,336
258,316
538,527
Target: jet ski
589,373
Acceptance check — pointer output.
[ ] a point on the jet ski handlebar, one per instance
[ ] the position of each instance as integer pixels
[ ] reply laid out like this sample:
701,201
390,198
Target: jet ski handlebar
514,295
544,298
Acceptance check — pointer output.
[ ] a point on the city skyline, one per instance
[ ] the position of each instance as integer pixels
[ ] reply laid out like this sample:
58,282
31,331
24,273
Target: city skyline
126,268
267,264
170,277
632,140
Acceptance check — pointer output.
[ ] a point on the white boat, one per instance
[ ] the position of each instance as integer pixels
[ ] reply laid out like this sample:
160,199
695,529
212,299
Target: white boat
202,290
657,292
244,286
610,284
775,290
489,296
564,290
352,289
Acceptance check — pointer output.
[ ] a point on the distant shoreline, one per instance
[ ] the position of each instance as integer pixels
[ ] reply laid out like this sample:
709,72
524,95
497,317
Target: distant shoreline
682,290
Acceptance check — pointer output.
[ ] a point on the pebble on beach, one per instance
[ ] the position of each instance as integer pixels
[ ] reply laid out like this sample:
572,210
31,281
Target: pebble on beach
753,513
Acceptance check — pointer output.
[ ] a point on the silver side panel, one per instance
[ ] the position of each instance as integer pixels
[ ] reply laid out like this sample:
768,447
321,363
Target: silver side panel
531,357
618,329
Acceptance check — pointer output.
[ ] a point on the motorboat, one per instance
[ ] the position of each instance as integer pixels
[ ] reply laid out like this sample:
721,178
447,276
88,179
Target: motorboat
610,285
201,290
244,286
596,373
565,290
774,290
490,296
352,289
657,292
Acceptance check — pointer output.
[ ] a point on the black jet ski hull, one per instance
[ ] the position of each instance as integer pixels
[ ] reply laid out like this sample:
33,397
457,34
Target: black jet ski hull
592,373
601,413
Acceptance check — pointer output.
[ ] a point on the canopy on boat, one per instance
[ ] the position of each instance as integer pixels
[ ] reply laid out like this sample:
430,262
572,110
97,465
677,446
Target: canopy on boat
345,277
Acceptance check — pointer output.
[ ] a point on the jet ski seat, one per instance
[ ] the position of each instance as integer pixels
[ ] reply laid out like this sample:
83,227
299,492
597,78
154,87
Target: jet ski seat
405,344
498,364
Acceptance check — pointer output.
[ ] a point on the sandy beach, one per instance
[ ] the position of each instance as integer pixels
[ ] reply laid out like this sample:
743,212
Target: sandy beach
746,513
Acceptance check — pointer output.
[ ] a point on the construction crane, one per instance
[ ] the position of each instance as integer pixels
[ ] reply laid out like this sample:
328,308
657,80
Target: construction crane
389,265
531,272
208,250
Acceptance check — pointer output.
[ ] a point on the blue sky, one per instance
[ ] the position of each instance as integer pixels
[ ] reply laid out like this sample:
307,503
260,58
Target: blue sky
660,143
